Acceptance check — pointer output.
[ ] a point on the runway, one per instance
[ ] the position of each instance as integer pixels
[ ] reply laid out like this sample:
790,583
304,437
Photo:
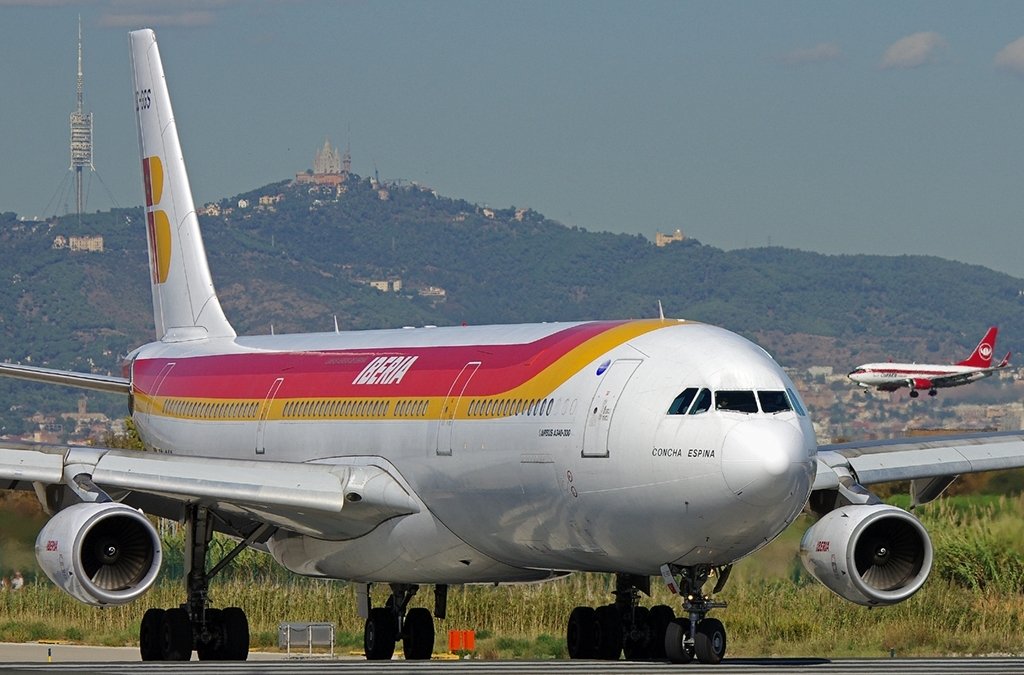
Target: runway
31,658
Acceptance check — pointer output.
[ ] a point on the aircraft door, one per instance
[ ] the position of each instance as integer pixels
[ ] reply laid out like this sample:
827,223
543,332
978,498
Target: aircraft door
602,407
450,408
264,413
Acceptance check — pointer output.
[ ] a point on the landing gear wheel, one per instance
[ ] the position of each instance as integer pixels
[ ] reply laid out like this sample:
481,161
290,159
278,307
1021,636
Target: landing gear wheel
609,633
636,642
658,620
149,635
236,634
418,634
581,633
379,634
176,635
676,635
932,392
213,650
709,643
913,393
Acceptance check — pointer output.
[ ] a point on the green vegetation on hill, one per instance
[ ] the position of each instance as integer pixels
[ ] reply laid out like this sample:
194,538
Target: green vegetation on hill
295,265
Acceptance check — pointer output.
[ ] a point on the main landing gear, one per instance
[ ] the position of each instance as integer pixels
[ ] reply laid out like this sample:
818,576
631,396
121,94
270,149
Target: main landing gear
654,634
215,634
914,393
386,625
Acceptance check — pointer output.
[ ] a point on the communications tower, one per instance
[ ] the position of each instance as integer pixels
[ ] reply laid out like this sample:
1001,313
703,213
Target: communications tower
81,135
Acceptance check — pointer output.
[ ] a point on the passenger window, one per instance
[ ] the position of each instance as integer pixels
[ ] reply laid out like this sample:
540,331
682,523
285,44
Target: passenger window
774,401
736,401
703,402
682,402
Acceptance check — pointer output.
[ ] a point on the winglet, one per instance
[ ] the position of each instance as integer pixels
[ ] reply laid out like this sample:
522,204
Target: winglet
185,304
1005,362
981,357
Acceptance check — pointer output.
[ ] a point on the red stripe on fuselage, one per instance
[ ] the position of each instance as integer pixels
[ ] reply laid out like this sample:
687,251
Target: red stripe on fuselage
331,373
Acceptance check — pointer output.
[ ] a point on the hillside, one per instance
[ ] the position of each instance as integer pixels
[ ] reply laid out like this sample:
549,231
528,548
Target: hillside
296,263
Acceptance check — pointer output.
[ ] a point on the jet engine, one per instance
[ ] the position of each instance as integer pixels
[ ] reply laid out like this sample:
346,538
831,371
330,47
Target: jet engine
100,553
868,554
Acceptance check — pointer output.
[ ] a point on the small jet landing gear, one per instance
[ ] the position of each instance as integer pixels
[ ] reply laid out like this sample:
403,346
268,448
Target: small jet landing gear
695,635
215,634
386,625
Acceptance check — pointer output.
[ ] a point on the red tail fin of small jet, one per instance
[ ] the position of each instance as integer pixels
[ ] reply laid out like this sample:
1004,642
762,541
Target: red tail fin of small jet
981,357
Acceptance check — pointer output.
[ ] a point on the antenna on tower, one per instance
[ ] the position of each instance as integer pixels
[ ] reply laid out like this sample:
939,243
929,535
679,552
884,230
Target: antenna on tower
81,133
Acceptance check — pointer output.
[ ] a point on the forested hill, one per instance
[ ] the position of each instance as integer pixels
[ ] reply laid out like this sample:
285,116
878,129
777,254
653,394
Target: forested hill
296,263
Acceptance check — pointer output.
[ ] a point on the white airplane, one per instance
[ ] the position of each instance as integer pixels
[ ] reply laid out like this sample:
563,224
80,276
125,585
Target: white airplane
437,456
930,376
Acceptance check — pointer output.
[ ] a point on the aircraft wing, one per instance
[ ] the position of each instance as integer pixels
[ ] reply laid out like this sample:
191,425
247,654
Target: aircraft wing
918,459
326,500
117,385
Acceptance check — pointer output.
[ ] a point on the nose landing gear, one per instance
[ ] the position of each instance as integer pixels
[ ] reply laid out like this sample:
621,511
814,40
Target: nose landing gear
695,635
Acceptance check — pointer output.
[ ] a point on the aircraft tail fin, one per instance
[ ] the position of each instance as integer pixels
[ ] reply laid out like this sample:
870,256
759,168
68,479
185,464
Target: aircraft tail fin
981,357
185,304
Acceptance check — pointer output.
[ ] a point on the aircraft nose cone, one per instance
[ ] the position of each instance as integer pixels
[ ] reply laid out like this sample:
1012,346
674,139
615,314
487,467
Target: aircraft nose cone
765,462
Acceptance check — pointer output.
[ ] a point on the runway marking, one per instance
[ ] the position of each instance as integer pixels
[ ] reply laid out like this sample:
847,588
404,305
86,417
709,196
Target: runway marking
808,666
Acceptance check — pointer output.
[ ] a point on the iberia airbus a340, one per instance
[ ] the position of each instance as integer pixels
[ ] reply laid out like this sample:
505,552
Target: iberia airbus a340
427,457
930,376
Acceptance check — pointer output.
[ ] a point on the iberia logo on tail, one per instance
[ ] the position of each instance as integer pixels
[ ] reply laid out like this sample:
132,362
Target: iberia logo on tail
159,226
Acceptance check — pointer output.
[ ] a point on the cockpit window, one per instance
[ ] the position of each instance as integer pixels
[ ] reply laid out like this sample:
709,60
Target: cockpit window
774,401
703,402
797,403
682,402
737,401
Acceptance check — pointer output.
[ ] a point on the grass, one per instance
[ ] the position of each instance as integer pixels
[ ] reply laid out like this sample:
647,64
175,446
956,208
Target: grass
972,604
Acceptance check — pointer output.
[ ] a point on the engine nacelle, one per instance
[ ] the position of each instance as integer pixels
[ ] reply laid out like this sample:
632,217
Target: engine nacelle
100,554
868,554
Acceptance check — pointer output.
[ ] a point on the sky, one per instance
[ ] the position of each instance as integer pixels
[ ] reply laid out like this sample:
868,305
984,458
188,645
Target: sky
839,127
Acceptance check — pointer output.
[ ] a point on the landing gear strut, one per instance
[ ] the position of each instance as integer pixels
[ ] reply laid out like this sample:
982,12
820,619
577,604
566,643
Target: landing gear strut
386,625
215,634
695,635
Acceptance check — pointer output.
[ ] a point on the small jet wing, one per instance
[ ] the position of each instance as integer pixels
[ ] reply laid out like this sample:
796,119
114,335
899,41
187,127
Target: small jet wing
326,500
873,462
109,383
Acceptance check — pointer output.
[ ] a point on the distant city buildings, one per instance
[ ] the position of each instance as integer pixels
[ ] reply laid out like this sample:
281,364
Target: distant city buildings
92,244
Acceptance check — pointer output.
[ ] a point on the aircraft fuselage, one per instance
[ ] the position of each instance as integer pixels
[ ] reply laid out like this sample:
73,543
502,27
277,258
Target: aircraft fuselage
533,448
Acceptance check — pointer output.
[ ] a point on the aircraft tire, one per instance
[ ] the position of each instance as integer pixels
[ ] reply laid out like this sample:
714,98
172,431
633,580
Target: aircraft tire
581,633
236,634
149,635
676,634
709,643
418,635
609,633
380,634
176,635
658,620
214,649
